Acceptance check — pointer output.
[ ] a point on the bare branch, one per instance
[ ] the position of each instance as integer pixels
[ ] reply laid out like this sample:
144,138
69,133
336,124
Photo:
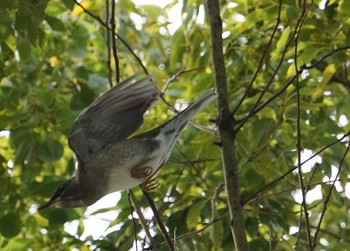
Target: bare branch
114,44
226,133
108,43
303,205
158,219
140,215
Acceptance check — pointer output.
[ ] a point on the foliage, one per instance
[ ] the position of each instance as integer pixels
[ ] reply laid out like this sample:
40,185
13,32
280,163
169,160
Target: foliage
53,64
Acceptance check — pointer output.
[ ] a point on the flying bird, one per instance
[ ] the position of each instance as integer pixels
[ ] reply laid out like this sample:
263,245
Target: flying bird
108,159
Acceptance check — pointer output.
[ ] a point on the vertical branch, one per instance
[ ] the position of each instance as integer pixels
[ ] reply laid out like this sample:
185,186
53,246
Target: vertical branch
108,43
226,132
114,43
298,144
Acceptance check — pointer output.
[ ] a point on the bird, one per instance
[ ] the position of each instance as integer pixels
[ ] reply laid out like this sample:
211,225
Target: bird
109,159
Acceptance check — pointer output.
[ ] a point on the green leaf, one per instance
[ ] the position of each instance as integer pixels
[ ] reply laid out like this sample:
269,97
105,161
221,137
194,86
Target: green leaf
23,149
216,234
55,23
281,43
57,218
69,4
50,150
178,50
194,214
83,98
327,74
152,11
10,225
23,48
267,113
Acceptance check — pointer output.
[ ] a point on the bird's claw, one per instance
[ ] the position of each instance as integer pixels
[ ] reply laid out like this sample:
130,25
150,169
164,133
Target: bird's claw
150,185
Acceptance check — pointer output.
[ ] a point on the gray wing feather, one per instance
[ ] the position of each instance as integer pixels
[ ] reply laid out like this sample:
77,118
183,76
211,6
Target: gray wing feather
112,117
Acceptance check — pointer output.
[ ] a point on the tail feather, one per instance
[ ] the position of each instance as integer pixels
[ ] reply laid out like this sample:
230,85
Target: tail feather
171,131
182,119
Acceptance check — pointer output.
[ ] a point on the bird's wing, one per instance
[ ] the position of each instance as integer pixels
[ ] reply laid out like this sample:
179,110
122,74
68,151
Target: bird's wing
112,117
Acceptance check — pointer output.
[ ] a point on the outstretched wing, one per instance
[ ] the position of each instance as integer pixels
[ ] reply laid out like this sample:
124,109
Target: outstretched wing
112,117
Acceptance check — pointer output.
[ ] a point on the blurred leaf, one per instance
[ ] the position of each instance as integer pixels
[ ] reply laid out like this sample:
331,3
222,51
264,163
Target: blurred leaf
194,214
23,48
55,23
69,4
57,218
83,98
178,50
10,225
50,150
23,149
216,234
326,76
268,113
282,42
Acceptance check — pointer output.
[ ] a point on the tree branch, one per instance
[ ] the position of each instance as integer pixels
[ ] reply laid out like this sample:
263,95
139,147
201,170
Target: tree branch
114,43
158,219
225,129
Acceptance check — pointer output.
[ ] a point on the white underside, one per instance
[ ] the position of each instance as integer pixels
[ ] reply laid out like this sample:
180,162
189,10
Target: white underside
154,161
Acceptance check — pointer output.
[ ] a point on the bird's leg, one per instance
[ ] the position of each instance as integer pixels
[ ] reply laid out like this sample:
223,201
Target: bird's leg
151,183
141,172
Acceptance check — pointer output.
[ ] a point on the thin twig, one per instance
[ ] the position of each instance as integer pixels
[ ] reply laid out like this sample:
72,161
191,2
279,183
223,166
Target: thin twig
297,31
196,232
97,18
198,173
329,196
133,220
313,65
278,20
328,232
140,215
214,200
262,93
108,43
289,82
274,194
158,219
294,168
114,43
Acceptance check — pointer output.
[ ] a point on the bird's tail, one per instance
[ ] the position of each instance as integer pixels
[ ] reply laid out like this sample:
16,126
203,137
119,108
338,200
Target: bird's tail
174,127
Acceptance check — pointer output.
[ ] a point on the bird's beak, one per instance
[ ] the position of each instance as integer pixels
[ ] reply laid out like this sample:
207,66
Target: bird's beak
47,204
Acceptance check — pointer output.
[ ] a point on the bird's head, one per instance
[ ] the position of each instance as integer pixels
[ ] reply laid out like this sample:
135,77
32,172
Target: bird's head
67,194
